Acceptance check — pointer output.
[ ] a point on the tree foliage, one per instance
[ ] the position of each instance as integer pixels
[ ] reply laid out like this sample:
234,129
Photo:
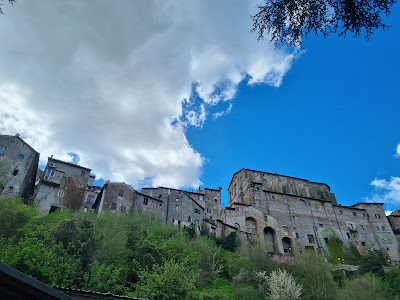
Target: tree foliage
289,21
1,4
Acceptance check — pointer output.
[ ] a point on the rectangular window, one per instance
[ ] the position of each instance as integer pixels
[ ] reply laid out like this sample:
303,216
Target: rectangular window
121,193
15,172
235,187
215,200
383,228
90,199
164,191
197,211
49,175
151,193
354,213
83,173
80,184
209,210
114,206
2,149
201,197
123,208
348,235
297,236
285,229
21,157
145,201
177,207
321,225
331,222
326,240
310,238
60,193
361,227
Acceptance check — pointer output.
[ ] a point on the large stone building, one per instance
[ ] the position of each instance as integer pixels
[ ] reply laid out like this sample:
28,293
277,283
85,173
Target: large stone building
18,166
289,214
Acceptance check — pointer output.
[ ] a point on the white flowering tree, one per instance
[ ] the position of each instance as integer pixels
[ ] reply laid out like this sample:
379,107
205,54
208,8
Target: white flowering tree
282,285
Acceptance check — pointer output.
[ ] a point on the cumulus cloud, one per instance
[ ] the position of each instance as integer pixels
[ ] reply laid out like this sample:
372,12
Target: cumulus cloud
387,191
109,82
397,151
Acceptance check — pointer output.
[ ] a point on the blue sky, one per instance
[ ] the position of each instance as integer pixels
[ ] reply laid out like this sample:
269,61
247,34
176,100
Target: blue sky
169,93
334,119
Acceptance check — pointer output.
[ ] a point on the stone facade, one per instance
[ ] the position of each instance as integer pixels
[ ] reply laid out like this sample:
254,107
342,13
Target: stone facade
18,167
63,185
284,212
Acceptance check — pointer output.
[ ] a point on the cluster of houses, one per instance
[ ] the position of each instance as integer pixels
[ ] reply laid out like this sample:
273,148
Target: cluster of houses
285,214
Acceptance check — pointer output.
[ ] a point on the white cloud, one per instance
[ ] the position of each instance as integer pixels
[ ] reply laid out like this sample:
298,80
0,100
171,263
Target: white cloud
388,212
397,151
108,82
386,191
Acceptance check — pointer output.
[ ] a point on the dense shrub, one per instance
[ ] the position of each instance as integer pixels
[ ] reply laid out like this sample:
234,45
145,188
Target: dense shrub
363,288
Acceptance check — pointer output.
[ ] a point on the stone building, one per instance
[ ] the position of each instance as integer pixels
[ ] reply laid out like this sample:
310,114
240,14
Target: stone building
289,214
18,167
120,197
63,185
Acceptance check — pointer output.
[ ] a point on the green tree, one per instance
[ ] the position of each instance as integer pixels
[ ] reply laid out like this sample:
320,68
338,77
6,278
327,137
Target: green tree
372,262
289,21
362,288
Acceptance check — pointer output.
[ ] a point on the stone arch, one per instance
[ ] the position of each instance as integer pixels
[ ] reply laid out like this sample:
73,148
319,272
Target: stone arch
251,225
287,245
269,239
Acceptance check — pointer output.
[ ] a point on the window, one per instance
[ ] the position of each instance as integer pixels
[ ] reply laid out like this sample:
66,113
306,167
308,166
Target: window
121,193
331,222
341,211
237,226
383,228
215,200
164,191
361,227
363,243
377,216
310,238
151,193
15,172
354,213
190,219
297,236
209,210
201,197
85,209
80,184
2,149
83,173
60,193
326,240
145,201
321,225
49,175
21,157
123,208
90,199
177,207
114,206
285,229
348,235
179,192
197,211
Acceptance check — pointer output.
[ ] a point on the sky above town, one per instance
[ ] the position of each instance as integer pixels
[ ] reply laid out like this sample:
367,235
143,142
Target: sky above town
181,94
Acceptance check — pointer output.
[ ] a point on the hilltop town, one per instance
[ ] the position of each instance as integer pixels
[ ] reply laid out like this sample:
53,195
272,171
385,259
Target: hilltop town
285,214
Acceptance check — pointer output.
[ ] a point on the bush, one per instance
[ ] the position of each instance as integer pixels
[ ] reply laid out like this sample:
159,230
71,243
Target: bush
282,286
372,262
363,288
392,279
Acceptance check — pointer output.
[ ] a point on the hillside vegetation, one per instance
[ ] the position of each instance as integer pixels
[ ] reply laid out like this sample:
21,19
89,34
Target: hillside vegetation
136,255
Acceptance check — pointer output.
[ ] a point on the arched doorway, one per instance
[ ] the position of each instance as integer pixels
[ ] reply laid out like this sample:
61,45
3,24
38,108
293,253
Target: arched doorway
287,245
251,225
269,239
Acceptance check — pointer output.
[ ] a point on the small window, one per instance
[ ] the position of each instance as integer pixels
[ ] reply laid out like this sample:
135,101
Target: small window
114,206
363,243
383,228
83,173
60,193
331,222
49,175
85,209
237,226
21,157
90,199
197,211
297,236
1,149
151,193
121,193
15,172
354,213
341,211
190,219
377,216
326,240
310,238
209,210
123,208
235,187
177,207
348,235
321,225
80,184
273,197
164,191
145,201
215,200
285,229
361,227
201,197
